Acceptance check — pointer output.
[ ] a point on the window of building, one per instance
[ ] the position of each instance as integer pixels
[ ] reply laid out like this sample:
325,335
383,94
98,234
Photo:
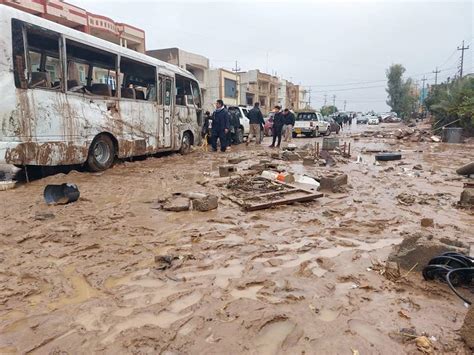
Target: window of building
230,88
139,80
90,70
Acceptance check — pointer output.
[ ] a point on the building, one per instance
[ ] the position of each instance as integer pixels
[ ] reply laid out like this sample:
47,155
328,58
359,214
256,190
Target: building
288,95
303,98
197,64
222,84
75,17
256,86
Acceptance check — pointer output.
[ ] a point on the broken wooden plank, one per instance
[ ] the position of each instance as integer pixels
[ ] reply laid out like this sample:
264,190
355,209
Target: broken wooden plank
284,201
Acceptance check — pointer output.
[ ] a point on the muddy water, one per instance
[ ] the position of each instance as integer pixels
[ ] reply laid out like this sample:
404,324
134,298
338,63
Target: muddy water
287,280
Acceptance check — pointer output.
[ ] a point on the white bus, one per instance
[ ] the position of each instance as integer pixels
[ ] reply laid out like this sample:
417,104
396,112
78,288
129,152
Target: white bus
67,97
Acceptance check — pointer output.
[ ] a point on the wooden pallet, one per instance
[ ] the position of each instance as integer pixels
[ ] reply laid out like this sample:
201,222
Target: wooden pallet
288,195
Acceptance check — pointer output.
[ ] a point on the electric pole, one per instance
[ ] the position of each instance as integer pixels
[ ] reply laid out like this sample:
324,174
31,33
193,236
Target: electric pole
422,96
436,75
333,104
309,98
237,68
325,99
462,49
345,105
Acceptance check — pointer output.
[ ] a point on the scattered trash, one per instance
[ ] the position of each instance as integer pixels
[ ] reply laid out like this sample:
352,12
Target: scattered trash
283,177
291,147
61,194
388,156
424,345
435,139
417,167
306,180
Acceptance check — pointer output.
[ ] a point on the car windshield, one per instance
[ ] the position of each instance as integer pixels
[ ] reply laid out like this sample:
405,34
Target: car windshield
306,116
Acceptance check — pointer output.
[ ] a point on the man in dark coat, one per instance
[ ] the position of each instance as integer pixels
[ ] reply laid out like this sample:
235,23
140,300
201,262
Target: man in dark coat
288,125
256,121
278,122
220,126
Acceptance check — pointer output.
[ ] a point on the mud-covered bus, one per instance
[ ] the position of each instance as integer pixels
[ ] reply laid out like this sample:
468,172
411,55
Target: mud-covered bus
67,97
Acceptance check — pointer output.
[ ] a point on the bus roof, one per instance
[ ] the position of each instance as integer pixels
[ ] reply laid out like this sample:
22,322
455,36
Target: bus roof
7,12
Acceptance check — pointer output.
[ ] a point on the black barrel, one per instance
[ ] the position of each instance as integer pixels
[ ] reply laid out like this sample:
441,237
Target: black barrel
61,194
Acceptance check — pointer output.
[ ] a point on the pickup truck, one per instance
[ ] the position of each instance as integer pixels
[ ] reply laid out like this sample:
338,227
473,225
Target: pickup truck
311,124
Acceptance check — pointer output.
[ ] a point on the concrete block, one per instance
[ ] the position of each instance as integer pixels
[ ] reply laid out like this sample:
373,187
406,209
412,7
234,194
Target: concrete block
206,203
226,170
333,181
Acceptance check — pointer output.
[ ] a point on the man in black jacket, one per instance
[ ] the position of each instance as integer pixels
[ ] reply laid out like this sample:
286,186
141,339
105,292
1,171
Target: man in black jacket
289,124
278,122
220,126
256,121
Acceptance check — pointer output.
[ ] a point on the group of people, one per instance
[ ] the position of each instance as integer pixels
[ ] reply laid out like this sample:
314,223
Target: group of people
225,126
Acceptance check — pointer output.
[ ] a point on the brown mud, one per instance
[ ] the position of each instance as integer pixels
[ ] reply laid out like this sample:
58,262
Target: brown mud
289,280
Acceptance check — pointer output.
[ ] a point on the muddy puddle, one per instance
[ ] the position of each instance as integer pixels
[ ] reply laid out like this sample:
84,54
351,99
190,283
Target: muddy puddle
289,280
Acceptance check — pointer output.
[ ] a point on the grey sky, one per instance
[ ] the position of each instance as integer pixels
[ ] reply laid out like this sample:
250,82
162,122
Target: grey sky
326,45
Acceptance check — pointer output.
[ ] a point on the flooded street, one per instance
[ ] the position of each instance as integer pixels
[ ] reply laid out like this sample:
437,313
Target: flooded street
293,279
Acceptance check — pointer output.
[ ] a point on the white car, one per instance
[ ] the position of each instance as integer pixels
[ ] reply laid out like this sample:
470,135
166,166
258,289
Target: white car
373,120
311,124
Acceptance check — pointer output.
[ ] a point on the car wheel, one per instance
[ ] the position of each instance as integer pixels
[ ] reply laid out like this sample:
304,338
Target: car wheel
239,136
186,143
388,156
101,153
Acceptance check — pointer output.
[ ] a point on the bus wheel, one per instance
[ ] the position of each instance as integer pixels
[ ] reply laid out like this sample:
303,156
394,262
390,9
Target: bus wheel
186,143
101,153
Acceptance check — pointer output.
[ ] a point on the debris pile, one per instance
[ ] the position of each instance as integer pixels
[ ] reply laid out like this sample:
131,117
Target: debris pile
196,201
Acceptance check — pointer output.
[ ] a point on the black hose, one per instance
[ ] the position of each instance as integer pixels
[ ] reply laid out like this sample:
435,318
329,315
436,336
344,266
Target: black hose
448,279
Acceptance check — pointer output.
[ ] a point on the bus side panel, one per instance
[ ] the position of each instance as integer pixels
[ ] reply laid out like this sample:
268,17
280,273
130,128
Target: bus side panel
185,119
143,128
48,130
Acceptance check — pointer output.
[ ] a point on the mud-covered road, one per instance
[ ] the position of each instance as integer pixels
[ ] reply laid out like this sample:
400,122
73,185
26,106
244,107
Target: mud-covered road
86,278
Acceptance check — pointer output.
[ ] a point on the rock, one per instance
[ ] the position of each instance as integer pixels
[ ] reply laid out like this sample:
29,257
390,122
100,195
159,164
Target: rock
206,203
427,222
467,169
435,139
236,160
290,156
467,330
322,162
226,170
418,167
418,249
467,197
308,161
332,182
177,204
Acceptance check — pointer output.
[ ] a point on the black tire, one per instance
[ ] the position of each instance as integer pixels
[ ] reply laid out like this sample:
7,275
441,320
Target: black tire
388,156
186,143
239,136
294,135
309,135
101,153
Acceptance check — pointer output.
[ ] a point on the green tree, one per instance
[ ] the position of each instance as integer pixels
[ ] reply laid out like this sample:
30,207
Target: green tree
328,110
398,90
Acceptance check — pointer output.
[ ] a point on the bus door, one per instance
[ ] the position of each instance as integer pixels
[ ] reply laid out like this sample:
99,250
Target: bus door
166,90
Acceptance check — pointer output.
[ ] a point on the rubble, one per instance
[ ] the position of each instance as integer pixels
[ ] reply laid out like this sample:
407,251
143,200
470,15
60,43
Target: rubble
467,197
180,202
467,329
427,222
177,204
333,182
206,203
467,169
226,170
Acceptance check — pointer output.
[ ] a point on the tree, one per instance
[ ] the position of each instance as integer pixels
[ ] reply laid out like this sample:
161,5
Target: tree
399,91
328,110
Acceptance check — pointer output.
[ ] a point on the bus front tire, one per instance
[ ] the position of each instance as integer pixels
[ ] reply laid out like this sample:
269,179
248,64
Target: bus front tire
101,153
186,143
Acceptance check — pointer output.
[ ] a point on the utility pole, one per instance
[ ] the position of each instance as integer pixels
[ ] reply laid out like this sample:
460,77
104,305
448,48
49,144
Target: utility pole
237,68
309,98
333,104
422,96
436,75
325,99
345,105
462,49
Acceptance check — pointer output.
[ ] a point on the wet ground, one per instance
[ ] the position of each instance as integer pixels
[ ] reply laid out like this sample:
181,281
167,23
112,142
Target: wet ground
83,278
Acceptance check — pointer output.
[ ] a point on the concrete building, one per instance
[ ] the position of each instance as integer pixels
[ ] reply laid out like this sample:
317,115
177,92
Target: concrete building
221,84
288,94
75,17
256,86
303,98
197,64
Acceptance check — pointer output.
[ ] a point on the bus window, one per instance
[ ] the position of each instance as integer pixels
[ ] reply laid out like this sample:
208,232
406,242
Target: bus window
196,93
19,62
139,80
90,70
184,94
53,67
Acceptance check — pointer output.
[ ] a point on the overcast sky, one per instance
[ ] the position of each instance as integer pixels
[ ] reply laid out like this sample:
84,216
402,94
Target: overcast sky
336,48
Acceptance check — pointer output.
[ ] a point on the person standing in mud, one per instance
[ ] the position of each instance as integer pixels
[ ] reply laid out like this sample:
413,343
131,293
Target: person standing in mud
278,122
220,126
256,121
288,125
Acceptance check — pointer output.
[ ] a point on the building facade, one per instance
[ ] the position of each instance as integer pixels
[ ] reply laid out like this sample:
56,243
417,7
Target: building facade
75,17
197,64
303,98
288,95
256,86
222,84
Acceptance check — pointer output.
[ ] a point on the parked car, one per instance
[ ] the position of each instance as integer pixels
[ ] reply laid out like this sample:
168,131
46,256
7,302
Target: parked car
244,130
373,120
268,128
333,125
362,119
310,123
